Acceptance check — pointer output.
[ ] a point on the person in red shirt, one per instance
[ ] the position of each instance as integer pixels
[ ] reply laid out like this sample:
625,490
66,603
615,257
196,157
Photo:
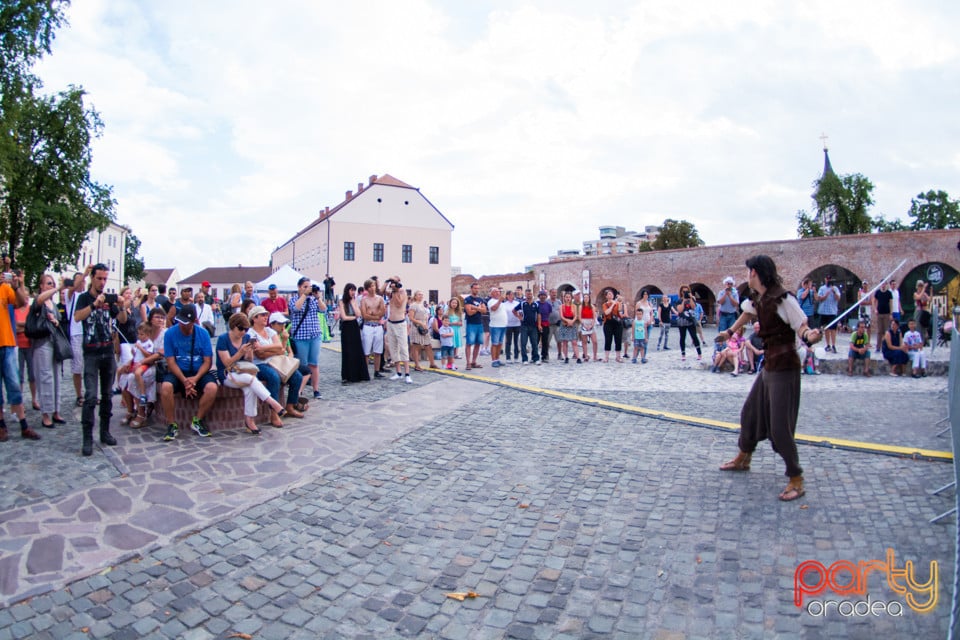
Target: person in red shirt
275,303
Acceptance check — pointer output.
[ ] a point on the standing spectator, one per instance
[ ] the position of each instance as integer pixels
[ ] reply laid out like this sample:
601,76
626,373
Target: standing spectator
866,304
205,314
274,302
151,303
186,297
498,326
588,327
328,285
419,316
554,318
71,296
640,335
372,310
729,301
47,369
446,342
882,310
567,333
828,298
353,361
126,335
546,309
644,306
921,300
397,338
455,314
806,296
626,321
96,310
25,353
664,308
205,290
612,331
306,334
512,334
162,299
529,315
686,321
475,307
249,293
895,307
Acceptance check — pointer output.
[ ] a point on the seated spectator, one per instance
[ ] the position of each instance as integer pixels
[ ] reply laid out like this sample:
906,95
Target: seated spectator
894,350
268,345
280,323
731,353
753,348
859,349
808,358
914,343
138,375
231,349
189,356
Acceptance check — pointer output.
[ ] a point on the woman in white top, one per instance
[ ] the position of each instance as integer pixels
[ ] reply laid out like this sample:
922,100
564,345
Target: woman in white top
268,345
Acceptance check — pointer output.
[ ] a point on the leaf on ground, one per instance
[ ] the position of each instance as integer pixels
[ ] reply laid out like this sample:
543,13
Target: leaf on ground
462,595
242,636
523,505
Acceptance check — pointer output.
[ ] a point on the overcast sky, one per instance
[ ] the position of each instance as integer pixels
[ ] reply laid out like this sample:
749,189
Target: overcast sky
229,125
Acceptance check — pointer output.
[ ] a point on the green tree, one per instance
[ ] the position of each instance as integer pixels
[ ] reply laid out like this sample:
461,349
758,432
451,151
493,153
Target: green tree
934,210
133,267
644,246
808,227
843,203
48,201
883,225
676,235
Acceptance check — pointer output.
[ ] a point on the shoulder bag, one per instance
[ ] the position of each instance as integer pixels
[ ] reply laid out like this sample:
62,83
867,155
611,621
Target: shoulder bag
36,326
286,366
61,343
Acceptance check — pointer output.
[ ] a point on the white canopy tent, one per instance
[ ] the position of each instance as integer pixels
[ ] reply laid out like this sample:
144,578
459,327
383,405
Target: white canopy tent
285,278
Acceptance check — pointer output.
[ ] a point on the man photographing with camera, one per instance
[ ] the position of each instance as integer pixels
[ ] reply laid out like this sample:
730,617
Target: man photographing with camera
397,328
11,293
95,310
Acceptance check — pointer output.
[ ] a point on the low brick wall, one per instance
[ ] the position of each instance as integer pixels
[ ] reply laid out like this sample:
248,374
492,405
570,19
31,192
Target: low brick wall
227,411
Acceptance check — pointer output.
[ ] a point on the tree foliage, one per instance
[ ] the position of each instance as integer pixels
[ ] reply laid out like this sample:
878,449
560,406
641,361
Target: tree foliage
676,234
133,267
48,201
807,226
934,210
843,204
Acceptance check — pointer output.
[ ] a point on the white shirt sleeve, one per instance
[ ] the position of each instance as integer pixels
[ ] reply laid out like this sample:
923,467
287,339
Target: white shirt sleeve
791,313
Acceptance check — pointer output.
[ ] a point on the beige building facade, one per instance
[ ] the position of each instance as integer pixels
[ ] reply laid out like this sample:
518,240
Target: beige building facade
386,228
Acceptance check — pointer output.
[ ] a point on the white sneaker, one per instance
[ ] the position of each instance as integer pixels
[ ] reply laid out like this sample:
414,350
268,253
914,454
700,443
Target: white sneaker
396,376
408,380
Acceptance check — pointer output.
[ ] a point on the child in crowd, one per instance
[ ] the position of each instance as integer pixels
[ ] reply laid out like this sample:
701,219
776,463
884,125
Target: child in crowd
640,337
731,353
143,349
859,349
914,342
446,343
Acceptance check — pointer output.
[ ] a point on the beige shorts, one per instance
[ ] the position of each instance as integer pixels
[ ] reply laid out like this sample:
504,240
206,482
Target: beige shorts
397,341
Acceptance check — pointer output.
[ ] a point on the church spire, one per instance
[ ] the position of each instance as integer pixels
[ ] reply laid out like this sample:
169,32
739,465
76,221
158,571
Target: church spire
827,169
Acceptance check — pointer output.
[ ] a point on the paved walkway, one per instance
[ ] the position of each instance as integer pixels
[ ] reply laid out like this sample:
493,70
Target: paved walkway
568,520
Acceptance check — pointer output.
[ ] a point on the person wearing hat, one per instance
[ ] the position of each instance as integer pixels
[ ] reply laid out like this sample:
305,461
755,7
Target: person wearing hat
189,355
268,345
729,301
275,303
205,290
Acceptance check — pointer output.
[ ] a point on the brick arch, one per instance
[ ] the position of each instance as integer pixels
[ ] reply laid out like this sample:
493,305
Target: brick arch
564,287
848,281
651,289
707,299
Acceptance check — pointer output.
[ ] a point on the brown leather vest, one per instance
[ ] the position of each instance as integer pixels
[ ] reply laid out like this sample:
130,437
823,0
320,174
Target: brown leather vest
779,340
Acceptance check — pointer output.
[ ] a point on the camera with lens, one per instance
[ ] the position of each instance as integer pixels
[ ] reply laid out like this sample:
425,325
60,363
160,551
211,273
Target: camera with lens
686,294
395,284
111,298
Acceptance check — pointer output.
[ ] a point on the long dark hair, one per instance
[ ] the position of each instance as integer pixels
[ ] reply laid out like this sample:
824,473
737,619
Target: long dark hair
766,270
346,297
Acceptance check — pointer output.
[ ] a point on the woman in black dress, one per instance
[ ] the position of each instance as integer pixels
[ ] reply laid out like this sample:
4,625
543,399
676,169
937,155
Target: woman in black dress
353,364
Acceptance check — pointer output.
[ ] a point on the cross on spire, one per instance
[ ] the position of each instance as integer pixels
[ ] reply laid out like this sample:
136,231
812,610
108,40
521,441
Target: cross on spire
823,137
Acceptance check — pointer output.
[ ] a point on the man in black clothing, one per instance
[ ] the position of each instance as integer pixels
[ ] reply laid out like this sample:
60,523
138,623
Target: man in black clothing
96,310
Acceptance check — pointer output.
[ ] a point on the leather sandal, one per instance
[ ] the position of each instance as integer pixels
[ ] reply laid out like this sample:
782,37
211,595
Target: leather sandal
794,490
740,463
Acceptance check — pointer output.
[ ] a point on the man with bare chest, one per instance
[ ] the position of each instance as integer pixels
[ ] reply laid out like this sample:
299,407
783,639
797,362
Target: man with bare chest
372,310
397,328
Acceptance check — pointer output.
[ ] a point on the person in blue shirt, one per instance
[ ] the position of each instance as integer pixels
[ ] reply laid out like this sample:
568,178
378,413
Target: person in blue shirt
189,355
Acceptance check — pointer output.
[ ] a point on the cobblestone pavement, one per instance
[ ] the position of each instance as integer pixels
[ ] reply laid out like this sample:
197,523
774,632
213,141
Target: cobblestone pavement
567,520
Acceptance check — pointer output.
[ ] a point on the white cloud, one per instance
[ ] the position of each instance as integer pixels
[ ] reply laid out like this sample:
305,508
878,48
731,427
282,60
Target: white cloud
527,125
